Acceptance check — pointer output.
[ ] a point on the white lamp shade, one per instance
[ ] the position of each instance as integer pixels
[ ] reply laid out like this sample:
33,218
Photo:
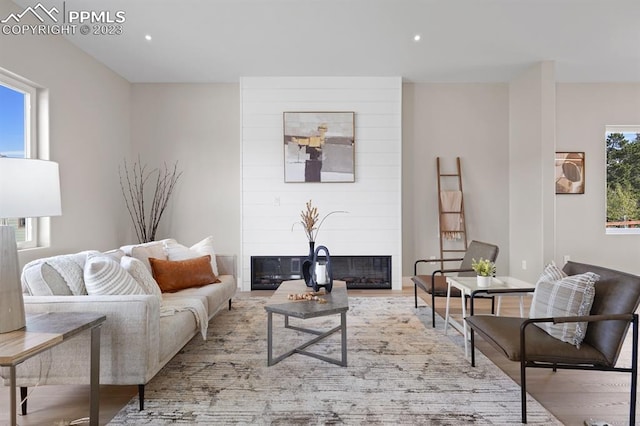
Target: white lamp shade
29,188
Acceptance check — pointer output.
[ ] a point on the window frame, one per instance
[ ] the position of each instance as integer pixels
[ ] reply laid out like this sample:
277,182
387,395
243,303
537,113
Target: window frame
616,129
30,93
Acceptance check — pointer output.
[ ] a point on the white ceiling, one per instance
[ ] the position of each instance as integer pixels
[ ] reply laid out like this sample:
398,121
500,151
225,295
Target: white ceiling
462,40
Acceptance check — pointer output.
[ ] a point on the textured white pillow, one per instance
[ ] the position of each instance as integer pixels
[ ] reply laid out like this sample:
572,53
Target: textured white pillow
176,251
115,253
81,257
70,269
103,275
559,295
144,251
143,277
205,247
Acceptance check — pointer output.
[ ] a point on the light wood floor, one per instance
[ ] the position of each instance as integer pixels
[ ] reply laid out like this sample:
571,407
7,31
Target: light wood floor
572,396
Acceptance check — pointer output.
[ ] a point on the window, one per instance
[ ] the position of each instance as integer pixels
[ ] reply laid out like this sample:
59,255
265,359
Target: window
623,179
18,140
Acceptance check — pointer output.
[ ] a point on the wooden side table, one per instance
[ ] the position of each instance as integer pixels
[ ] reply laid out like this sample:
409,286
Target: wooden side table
44,331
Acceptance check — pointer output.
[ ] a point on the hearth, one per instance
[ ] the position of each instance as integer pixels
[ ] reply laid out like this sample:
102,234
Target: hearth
359,272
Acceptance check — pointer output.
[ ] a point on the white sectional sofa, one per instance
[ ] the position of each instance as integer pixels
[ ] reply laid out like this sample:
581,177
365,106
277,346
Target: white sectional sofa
142,332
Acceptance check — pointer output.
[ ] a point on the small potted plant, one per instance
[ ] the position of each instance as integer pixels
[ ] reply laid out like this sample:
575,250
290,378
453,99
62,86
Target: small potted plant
485,270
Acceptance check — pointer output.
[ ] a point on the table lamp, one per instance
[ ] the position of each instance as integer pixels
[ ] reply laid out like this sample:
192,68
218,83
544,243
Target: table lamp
28,188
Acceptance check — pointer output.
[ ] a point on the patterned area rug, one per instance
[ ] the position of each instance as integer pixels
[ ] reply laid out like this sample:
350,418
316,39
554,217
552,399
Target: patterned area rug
399,372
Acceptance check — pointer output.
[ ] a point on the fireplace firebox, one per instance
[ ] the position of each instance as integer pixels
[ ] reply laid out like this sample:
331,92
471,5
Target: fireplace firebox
359,272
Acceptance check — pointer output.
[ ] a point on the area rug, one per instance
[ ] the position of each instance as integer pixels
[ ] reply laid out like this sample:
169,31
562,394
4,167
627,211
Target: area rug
399,372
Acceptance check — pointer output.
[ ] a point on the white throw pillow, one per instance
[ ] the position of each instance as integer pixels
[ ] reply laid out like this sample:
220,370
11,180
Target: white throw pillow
144,251
143,277
115,253
103,275
176,251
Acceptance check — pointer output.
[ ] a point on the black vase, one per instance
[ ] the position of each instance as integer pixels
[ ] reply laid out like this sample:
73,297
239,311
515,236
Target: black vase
306,265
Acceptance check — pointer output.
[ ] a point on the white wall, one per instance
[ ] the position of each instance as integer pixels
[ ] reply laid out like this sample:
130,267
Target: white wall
89,134
97,119
583,111
374,202
197,125
469,121
531,159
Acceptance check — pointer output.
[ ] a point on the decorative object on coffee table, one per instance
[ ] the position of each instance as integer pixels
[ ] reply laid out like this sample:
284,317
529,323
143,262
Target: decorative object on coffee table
321,273
309,219
306,265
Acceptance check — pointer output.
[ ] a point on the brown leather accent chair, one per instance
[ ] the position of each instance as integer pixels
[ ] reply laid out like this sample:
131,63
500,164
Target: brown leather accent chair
436,283
617,295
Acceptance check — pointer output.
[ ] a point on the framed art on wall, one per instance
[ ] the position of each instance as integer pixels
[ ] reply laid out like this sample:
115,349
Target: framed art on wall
319,147
569,169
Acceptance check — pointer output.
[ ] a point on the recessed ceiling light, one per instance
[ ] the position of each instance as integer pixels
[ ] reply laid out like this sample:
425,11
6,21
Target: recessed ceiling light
417,37
147,37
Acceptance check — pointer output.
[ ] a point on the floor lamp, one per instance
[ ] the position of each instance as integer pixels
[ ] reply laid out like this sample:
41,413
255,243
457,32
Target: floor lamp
28,188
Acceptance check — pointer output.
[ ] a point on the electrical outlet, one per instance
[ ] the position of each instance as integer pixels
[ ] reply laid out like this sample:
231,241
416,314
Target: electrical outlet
524,264
566,258
276,201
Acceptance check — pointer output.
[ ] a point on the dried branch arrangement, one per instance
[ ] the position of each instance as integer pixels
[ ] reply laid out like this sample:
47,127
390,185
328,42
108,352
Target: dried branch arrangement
132,182
309,219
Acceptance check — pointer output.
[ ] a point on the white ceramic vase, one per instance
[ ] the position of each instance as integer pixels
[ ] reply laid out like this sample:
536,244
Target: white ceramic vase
484,282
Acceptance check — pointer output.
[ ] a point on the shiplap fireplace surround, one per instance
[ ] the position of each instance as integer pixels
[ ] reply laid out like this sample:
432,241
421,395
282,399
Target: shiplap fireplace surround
270,207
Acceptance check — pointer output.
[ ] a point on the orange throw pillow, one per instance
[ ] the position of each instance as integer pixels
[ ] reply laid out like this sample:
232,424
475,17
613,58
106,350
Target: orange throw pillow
175,275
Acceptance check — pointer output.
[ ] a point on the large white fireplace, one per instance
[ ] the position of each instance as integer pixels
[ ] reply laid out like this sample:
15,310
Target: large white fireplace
270,207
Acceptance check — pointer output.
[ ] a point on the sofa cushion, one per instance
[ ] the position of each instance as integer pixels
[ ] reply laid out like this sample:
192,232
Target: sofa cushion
142,275
224,290
176,251
104,275
60,275
174,275
117,254
54,281
559,295
144,251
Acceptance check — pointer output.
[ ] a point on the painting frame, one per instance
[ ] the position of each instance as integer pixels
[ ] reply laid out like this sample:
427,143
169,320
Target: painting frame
319,146
569,172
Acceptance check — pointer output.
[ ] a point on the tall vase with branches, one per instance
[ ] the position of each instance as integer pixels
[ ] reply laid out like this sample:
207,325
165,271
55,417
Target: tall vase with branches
133,181
310,221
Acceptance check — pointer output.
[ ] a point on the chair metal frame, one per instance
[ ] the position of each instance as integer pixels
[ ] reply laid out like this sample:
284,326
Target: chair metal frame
524,363
442,272
614,309
433,280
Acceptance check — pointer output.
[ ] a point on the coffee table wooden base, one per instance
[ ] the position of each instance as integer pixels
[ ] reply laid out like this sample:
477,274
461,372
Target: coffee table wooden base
301,349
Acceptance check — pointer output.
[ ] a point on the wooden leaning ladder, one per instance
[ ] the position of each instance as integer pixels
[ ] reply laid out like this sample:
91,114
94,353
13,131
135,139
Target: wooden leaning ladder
450,182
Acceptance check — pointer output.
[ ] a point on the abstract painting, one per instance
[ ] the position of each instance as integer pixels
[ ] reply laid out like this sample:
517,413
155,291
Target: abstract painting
569,172
319,147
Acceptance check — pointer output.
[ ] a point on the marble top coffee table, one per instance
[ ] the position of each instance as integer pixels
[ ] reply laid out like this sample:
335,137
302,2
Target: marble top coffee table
336,302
